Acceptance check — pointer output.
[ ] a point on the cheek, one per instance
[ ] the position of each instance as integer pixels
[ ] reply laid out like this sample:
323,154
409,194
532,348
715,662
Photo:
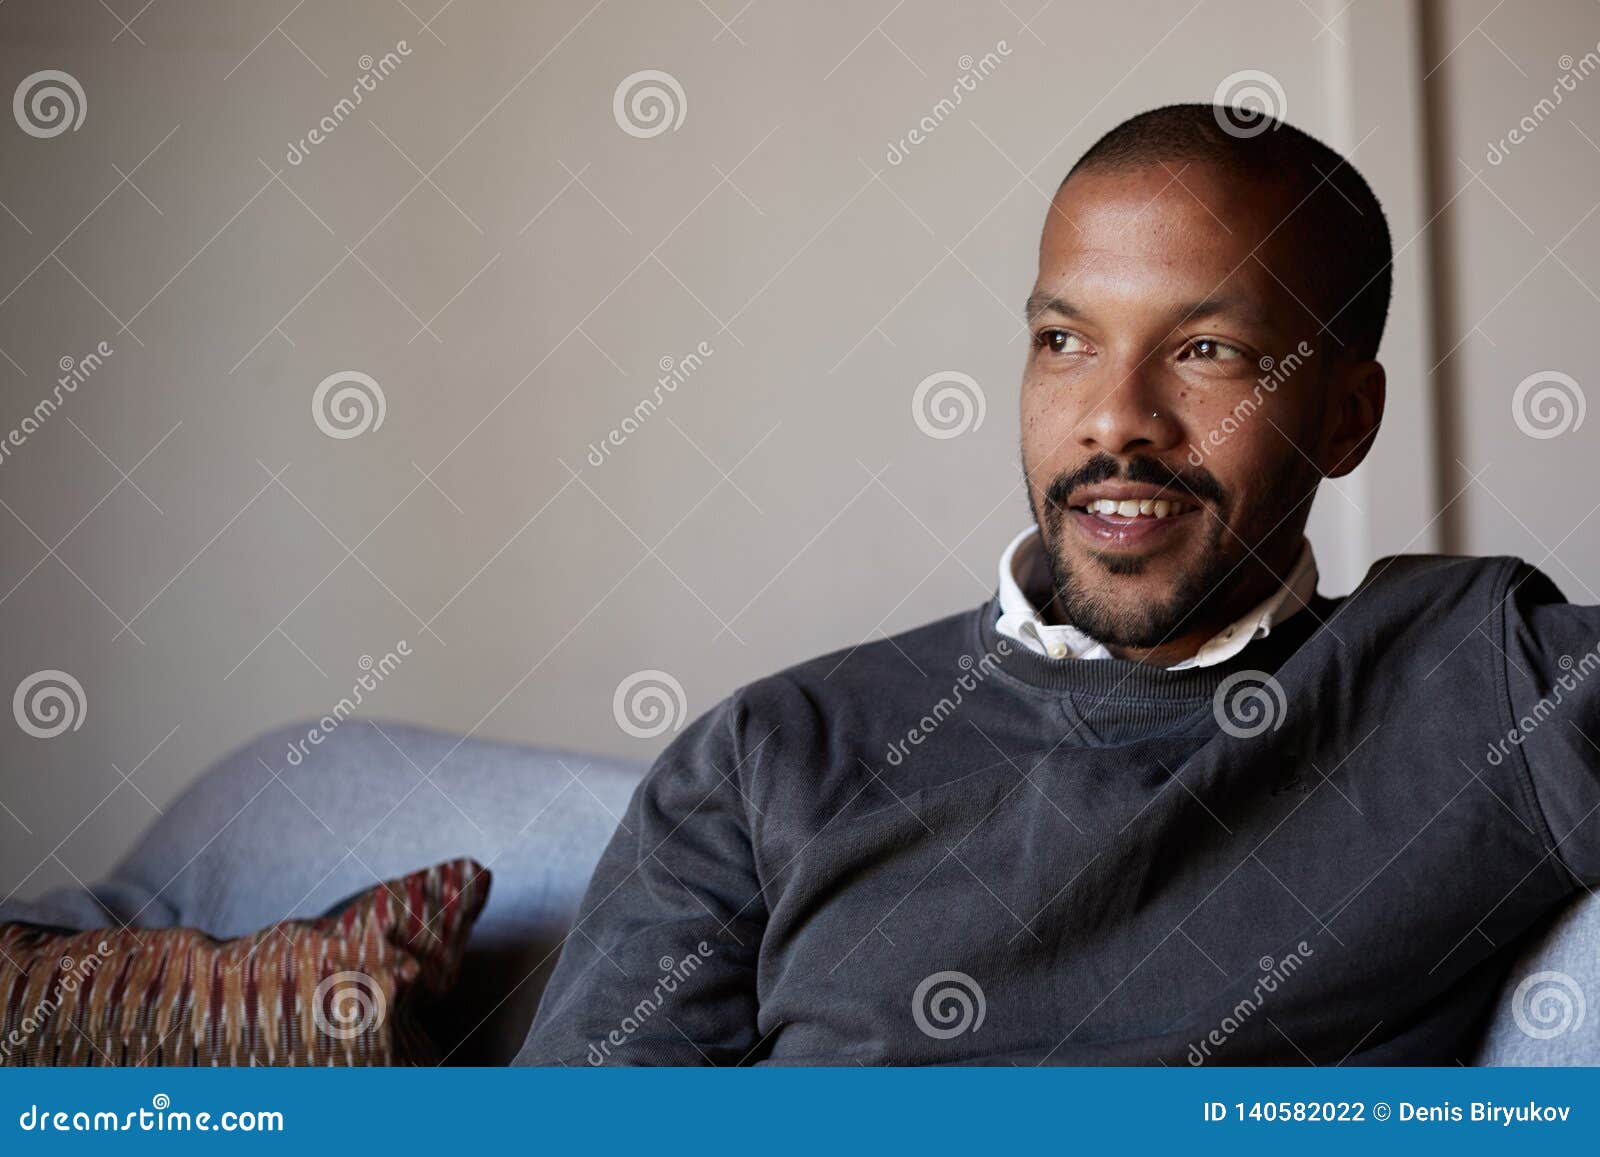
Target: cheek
1258,468
1033,419
1047,417
1243,427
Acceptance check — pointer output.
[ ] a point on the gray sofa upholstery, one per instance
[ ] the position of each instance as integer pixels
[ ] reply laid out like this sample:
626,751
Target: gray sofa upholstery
255,840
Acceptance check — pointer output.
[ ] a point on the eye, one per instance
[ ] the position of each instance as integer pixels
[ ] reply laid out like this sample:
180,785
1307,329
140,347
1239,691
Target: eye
1060,341
1210,349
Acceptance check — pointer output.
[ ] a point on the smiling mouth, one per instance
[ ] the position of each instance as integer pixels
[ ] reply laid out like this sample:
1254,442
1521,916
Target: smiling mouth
1127,525
1129,508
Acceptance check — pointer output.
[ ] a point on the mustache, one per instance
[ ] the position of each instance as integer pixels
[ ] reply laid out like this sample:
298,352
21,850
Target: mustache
1198,482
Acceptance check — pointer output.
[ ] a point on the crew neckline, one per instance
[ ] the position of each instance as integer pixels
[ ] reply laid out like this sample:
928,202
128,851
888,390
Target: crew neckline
1128,679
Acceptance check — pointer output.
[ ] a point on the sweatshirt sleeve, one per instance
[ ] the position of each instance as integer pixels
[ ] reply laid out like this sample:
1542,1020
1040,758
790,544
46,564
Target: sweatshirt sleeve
660,968
1552,662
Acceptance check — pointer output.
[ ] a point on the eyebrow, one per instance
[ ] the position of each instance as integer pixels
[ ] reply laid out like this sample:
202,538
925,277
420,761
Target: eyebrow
1044,302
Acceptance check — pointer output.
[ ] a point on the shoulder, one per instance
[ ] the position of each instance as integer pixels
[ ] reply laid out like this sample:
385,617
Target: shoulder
825,704
873,666
1505,583
1398,573
1476,615
1428,589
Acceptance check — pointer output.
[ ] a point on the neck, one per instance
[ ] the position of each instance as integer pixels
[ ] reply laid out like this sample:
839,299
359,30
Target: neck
1170,652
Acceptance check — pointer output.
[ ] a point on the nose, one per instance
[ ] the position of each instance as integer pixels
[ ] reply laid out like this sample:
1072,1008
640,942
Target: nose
1133,415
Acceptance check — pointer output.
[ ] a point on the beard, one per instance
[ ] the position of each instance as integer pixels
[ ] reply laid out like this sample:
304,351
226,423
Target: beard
1082,600
1084,589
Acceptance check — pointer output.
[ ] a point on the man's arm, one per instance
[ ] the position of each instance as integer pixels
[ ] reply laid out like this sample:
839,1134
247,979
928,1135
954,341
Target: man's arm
1552,651
660,968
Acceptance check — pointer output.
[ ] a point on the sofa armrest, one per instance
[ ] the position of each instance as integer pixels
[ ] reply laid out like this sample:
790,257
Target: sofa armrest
264,836
1549,1011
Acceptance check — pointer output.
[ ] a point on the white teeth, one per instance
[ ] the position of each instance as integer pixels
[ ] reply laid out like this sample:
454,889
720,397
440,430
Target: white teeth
1141,507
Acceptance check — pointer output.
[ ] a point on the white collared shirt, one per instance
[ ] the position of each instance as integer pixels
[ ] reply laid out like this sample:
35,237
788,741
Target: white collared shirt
1023,567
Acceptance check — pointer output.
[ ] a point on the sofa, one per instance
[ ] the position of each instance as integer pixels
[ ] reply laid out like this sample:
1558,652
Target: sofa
258,838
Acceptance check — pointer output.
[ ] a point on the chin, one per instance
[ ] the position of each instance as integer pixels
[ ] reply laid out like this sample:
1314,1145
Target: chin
1129,600
1133,625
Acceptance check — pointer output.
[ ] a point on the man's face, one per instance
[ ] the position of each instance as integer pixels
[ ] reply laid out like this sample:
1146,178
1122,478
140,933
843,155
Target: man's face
1169,375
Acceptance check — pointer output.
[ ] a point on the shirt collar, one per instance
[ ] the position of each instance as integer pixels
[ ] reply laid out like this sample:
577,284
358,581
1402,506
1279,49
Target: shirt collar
1023,568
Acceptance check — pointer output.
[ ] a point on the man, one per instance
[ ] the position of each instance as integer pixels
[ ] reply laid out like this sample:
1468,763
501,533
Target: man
1158,801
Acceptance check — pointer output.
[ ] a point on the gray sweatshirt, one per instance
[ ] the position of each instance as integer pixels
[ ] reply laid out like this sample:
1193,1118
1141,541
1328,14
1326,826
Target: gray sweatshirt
942,848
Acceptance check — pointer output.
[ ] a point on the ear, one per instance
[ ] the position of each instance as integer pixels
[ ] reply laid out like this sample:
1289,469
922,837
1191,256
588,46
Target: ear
1357,397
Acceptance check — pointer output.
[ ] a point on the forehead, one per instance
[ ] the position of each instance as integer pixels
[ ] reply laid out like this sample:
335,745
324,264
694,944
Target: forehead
1154,235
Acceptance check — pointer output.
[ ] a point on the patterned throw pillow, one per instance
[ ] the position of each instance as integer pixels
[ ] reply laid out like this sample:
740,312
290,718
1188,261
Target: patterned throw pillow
342,989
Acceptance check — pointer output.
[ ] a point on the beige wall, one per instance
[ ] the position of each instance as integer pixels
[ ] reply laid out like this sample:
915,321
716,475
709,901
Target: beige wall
1520,289
510,266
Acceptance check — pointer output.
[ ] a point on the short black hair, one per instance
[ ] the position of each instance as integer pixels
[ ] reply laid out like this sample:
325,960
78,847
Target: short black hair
1337,217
